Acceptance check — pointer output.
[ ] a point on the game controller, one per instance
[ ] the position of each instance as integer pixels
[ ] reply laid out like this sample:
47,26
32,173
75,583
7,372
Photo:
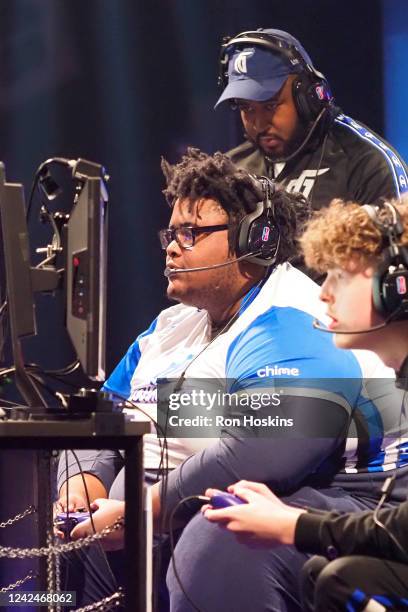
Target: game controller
66,521
221,499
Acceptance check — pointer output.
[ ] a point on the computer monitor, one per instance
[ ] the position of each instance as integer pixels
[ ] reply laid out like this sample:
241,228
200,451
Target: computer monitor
86,265
84,245
20,298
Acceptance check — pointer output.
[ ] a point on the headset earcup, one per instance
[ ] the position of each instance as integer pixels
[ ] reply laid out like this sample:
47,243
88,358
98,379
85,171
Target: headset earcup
390,291
244,228
257,232
310,96
377,293
300,100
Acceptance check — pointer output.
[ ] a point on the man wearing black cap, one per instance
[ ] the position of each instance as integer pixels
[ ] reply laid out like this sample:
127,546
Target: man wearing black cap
295,133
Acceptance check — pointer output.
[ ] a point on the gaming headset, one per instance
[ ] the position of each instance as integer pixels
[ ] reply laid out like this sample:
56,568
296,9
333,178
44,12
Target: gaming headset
390,282
258,232
311,91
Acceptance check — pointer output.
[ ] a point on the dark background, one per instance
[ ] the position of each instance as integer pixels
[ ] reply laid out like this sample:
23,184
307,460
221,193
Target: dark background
125,82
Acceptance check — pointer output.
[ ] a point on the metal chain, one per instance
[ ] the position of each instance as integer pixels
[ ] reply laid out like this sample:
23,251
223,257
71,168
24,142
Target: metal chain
57,569
114,600
18,517
17,583
25,553
50,568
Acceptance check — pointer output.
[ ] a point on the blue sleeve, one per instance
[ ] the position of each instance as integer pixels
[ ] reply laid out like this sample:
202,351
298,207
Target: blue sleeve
282,344
281,338
119,381
105,464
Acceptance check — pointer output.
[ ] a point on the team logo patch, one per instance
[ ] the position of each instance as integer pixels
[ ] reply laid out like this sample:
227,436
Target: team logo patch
320,92
401,285
240,63
304,183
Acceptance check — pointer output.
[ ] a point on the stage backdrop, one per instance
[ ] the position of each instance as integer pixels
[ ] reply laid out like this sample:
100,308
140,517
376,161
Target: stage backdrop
124,83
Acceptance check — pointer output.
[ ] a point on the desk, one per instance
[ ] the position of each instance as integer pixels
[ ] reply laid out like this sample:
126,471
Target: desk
97,433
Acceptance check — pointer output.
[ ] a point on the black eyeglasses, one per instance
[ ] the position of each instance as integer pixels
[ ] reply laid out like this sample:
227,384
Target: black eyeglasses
185,236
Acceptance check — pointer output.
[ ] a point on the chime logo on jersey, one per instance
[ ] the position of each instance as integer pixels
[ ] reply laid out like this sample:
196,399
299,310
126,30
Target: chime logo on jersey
275,370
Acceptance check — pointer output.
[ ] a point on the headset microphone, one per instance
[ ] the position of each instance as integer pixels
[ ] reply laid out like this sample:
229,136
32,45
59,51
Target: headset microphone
387,321
170,271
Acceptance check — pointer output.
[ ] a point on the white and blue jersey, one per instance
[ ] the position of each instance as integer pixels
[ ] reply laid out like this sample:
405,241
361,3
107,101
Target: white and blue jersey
272,339
272,344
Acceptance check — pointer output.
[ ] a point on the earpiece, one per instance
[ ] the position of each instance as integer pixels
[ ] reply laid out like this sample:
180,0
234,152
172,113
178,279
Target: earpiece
390,282
258,232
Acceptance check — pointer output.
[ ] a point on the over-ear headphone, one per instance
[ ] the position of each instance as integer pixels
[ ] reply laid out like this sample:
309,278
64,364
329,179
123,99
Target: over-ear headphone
258,232
390,282
311,91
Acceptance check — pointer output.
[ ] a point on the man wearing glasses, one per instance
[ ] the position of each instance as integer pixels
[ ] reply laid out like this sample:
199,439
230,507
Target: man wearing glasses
244,315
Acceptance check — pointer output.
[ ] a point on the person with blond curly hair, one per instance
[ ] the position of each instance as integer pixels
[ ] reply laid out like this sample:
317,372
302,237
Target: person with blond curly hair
364,562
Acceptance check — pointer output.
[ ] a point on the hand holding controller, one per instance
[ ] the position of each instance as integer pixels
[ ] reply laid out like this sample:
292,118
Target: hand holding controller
221,499
66,521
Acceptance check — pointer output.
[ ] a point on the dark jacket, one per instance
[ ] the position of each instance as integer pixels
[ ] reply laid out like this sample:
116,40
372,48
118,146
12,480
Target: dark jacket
352,163
332,534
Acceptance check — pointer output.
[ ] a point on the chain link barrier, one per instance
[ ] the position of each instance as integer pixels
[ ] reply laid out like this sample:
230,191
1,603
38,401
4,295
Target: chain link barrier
29,553
18,517
18,583
52,552
108,603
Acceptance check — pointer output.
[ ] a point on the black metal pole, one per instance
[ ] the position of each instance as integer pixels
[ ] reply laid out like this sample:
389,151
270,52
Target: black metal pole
135,582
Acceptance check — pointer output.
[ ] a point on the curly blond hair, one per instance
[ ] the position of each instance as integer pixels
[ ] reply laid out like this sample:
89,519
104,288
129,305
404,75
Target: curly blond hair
344,234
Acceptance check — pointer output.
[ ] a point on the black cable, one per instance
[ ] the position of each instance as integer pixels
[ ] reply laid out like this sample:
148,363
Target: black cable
4,327
387,489
3,307
164,462
69,369
34,376
79,552
88,501
177,387
236,315
53,160
163,465
32,369
67,497
202,498
305,141
319,165
12,404
6,371
6,332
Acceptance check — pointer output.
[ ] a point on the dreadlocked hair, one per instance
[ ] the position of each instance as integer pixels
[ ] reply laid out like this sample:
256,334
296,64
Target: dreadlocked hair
201,176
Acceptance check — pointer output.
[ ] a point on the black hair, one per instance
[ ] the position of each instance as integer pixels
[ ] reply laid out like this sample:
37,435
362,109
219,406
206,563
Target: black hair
216,177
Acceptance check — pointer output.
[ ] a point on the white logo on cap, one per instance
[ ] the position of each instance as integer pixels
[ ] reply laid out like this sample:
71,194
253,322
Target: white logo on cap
240,64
